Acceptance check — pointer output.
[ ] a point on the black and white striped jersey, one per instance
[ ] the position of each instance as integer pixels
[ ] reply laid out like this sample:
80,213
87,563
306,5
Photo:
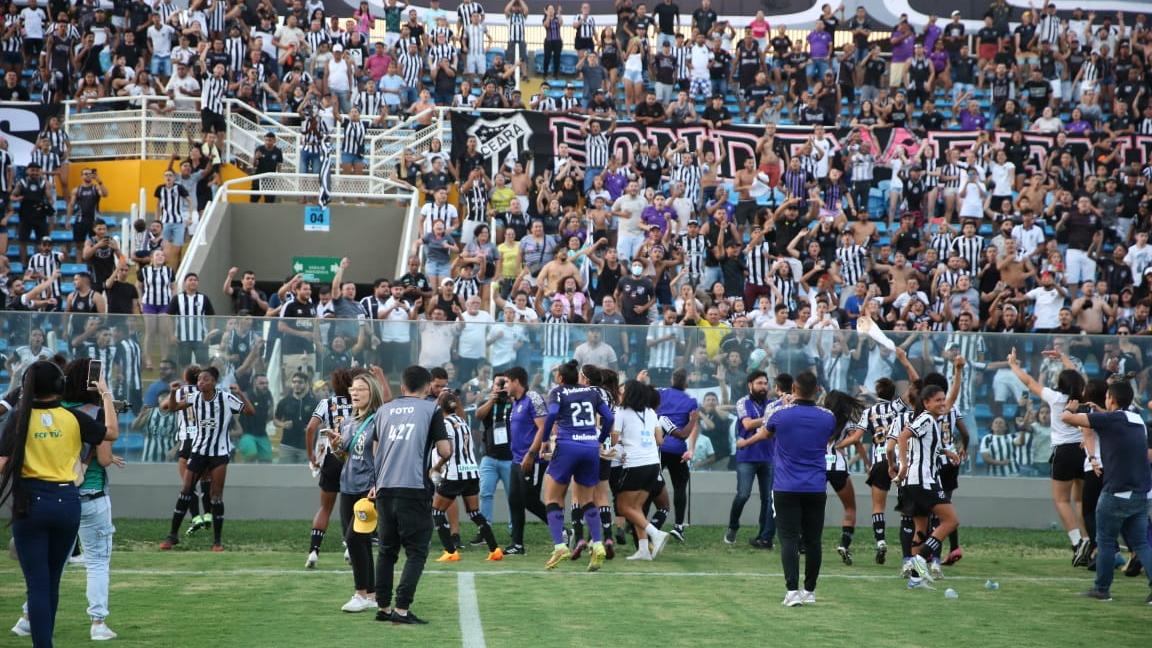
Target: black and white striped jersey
462,465
953,174
237,51
853,262
315,39
477,202
187,429
156,285
941,241
596,149
171,201
876,420
466,288
789,291
1000,447
466,9
212,94
555,333
923,446
105,355
971,249
587,28
441,52
354,135
58,140
369,103
837,459
758,259
46,264
432,212
213,420
333,411
13,37
127,357
690,175
215,13
191,311
695,251
49,160
411,68
566,103
516,27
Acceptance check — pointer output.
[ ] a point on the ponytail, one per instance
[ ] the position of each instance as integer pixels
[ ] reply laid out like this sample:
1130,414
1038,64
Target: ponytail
13,443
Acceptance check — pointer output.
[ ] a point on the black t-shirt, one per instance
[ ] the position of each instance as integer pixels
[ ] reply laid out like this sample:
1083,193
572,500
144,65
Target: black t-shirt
496,440
713,114
780,45
120,297
720,65
1038,92
270,159
988,36
467,162
634,292
17,93
874,71
666,15
932,121
650,110
704,19
302,317
297,412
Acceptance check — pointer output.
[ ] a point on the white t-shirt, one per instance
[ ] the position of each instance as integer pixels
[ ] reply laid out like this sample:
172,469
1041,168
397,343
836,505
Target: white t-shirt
699,57
161,39
824,163
436,343
1001,183
1048,305
473,335
1028,238
972,204
637,437
634,206
338,76
502,341
185,92
1138,258
1061,432
33,20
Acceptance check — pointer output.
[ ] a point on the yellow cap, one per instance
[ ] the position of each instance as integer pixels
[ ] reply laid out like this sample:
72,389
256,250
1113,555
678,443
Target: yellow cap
365,512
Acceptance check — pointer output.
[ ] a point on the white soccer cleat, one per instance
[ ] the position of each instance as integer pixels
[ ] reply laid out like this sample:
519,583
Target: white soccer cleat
921,567
935,571
101,632
793,598
313,557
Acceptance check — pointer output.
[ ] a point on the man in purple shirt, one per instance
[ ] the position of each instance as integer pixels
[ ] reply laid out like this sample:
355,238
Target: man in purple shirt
972,119
903,43
820,49
658,214
931,34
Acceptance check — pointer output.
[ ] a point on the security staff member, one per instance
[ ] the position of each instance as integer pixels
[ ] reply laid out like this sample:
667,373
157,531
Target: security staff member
406,429
38,453
527,476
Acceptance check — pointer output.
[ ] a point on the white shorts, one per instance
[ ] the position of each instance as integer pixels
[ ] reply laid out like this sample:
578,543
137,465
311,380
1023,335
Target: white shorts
1080,267
1006,386
476,64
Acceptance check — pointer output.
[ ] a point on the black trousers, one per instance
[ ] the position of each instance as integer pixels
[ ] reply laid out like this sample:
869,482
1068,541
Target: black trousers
359,545
524,495
552,49
403,522
1092,487
187,351
799,514
678,475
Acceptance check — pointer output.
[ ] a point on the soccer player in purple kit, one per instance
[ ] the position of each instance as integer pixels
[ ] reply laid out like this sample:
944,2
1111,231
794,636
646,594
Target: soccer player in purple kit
573,409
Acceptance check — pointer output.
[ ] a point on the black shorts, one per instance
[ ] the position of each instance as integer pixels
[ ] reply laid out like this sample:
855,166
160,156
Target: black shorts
210,121
639,478
838,479
32,229
949,474
81,231
451,489
330,473
605,469
878,476
584,44
614,476
201,465
917,501
1067,462
185,451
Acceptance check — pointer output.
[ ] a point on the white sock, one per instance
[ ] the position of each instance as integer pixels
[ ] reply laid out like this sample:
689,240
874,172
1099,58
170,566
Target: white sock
642,549
1074,536
652,530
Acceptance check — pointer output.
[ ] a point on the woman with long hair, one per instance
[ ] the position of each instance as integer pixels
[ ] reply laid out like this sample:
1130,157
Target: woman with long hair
1067,454
329,416
458,475
847,411
636,440
39,452
553,44
211,448
355,441
609,383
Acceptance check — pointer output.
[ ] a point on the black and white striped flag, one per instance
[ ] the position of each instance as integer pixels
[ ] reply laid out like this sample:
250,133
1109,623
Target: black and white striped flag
325,174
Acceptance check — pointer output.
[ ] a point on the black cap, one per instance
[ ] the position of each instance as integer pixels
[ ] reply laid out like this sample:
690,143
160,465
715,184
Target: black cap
271,134
33,165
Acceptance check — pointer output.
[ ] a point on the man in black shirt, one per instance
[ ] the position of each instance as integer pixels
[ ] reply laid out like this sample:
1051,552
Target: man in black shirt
716,115
755,96
298,327
254,446
931,119
665,66
651,111
12,90
496,465
1039,93
267,159
435,179
703,18
469,159
667,21
292,415
636,295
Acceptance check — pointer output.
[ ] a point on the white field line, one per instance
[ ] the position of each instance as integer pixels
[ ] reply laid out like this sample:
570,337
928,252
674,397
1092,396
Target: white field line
471,631
541,572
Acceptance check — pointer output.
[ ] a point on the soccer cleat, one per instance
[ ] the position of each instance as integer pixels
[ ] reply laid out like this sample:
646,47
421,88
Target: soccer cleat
921,567
730,536
907,570
477,541
640,555
407,619
1133,568
358,604
199,522
101,632
954,557
495,554
578,550
22,628
881,552
793,598
169,542
845,555
678,532
935,571
598,556
658,540
559,554
1096,594
621,539
217,548
311,562
1081,553
514,550
609,549
919,583
449,556
808,598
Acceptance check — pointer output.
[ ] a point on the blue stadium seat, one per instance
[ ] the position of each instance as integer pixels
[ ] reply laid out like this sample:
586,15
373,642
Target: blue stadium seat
72,268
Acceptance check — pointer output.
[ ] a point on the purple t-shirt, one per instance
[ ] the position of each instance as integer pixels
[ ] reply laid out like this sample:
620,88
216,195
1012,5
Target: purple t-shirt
748,407
902,51
819,43
969,121
931,35
802,431
653,216
614,184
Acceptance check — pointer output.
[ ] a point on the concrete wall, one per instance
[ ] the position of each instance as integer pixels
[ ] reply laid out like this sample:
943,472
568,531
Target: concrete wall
264,238
289,492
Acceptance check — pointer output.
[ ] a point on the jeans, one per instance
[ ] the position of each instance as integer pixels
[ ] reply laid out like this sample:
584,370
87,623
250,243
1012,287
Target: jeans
344,100
409,95
491,472
44,534
817,67
1115,516
403,522
761,471
309,162
96,531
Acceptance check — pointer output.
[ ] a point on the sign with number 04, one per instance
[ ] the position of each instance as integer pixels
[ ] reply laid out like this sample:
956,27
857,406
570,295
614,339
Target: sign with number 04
317,219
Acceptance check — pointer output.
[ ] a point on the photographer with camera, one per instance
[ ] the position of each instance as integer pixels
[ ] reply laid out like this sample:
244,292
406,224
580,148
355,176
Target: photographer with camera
496,464
35,209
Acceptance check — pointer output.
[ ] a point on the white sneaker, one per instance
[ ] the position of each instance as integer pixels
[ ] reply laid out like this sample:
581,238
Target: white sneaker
794,598
311,562
101,632
935,571
358,604
658,539
22,628
76,560
808,598
921,567
640,555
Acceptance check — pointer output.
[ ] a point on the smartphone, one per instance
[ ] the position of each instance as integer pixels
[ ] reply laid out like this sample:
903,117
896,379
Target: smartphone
94,369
